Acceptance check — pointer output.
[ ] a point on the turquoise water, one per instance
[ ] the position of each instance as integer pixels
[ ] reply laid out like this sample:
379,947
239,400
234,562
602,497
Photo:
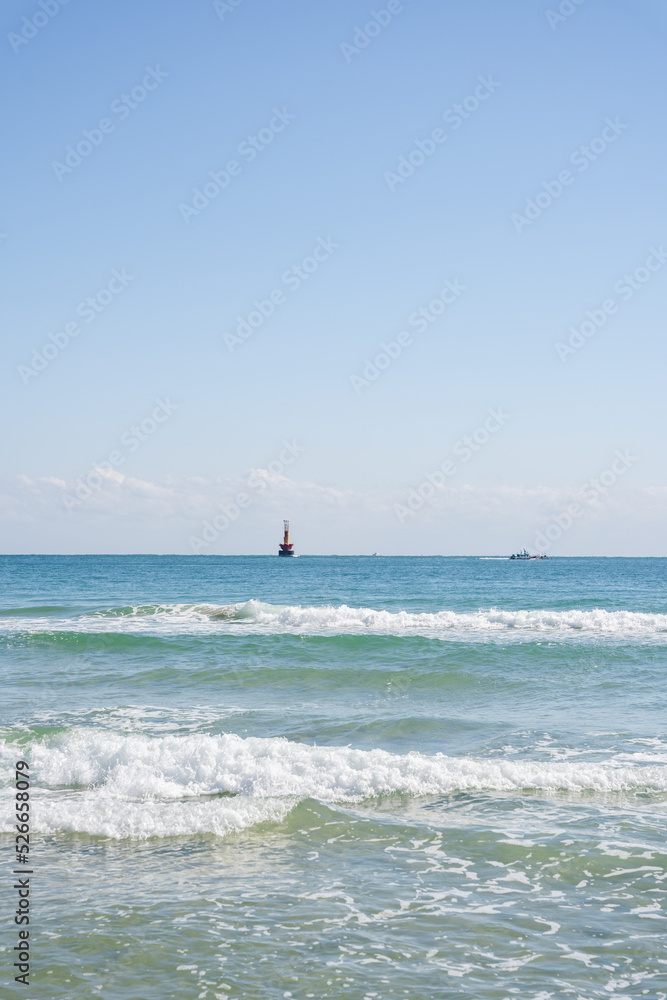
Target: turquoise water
340,777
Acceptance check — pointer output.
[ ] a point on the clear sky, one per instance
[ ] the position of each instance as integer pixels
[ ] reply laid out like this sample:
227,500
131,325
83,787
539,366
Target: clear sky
365,155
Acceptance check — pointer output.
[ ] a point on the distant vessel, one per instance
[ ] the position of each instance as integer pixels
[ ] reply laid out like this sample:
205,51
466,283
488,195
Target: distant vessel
526,555
286,547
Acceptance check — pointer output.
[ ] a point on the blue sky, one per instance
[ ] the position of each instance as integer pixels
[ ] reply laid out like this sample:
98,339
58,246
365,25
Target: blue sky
333,124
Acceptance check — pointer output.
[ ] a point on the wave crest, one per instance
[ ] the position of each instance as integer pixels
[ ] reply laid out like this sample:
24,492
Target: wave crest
342,618
102,782
257,617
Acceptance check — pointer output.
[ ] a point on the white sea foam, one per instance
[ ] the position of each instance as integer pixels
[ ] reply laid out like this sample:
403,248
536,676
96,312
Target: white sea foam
101,816
257,617
102,782
345,619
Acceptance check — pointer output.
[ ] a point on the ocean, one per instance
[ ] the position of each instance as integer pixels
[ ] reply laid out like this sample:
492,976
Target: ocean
338,777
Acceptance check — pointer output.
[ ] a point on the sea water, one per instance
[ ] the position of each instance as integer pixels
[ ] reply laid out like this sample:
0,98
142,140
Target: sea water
339,777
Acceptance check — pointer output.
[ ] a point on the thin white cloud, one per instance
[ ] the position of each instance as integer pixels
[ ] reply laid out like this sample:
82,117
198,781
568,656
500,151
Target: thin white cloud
119,513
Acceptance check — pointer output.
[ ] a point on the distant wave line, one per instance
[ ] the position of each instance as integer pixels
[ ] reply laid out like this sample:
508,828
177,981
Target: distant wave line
258,617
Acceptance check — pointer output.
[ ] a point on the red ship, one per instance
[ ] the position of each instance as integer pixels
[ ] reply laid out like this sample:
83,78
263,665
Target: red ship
286,547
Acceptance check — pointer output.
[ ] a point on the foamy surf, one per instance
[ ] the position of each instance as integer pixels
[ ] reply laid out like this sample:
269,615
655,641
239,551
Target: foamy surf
105,783
256,617
351,620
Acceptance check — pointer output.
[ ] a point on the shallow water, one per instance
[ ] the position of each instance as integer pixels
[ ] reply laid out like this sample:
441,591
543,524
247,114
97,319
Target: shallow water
340,777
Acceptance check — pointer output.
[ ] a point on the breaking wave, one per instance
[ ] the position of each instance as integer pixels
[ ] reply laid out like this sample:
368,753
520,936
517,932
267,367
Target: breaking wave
257,617
105,783
345,619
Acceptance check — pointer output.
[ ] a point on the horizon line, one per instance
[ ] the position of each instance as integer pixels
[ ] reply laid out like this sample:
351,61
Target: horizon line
312,555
